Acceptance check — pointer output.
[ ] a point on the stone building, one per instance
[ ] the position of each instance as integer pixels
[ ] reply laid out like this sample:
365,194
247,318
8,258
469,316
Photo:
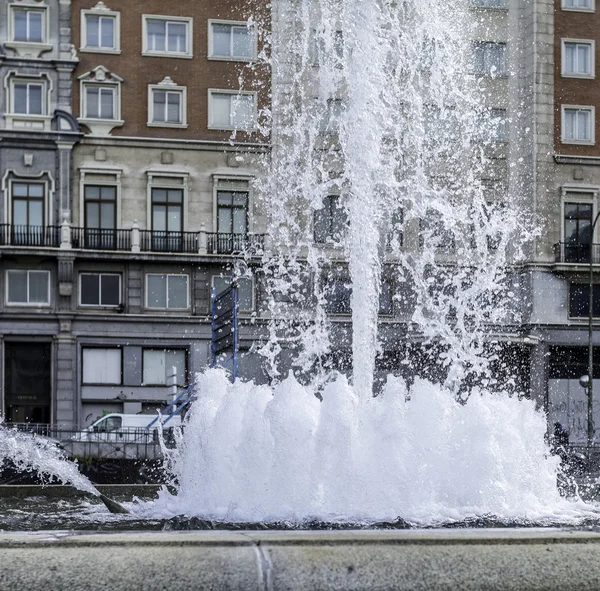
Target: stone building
110,250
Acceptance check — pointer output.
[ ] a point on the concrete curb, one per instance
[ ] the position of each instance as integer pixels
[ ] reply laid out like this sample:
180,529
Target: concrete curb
272,561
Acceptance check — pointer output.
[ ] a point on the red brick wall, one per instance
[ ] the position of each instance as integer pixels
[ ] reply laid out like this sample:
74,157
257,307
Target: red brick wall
198,74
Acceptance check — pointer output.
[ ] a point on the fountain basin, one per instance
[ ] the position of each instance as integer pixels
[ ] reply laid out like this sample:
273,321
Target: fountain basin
420,559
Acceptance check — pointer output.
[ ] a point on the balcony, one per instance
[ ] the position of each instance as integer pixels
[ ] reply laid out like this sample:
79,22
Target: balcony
566,252
235,243
100,239
162,241
48,236
132,240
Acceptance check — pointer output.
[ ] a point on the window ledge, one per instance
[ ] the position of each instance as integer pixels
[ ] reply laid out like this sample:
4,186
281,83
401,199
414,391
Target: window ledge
502,9
577,143
99,50
28,49
579,76
185,56
223,58
101,126
172,125
29,122
231,128
568,9
26,305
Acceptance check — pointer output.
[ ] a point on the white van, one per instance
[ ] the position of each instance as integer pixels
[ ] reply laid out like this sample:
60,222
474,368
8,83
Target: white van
117,427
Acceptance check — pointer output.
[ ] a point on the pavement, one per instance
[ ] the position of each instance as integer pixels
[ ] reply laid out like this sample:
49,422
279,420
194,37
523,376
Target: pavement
501,559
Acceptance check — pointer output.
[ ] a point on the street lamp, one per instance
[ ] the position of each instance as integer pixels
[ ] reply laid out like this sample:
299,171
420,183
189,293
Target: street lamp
587,382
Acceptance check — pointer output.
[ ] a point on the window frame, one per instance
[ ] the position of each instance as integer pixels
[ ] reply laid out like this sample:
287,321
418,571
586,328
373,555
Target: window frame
592,110
592,7
43,10
219,91
181,91
115,101
486,73
29,304
592,48
188,21
232,24
100,304
167,275
115,15
595,288
83,383
165,349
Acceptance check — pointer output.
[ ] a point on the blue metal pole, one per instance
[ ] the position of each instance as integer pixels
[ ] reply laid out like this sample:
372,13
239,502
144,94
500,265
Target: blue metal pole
213,344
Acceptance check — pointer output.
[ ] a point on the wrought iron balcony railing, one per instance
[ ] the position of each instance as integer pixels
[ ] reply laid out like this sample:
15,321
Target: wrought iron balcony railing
569,252
219,243
162,241
24,235
101,239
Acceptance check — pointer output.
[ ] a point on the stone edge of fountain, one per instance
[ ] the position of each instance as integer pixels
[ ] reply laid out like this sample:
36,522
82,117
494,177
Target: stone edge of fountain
427,559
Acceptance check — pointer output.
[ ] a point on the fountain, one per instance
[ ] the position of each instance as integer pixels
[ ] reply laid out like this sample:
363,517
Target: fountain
378,112
380,145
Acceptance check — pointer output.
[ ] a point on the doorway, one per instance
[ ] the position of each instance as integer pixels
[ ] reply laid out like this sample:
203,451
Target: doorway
27,382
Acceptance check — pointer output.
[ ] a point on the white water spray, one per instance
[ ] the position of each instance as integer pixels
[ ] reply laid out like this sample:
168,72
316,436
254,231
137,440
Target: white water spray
376,107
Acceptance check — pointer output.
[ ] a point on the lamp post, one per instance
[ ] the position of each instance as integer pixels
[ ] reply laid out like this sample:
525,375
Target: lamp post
589,383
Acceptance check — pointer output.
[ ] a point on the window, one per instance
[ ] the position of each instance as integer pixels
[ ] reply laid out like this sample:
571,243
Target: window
100,216
99,289
28,287
385,298
338,297
167,36
490,59
584,5
101,366
231,41
245,290
330,122
165,291
494,127
99,102
577,228
395,235
232,212
331,221
100,31
167,219
435,232
579,300
28,25
159,363
231,110
167,105
28,98
578,58
577,125
27,205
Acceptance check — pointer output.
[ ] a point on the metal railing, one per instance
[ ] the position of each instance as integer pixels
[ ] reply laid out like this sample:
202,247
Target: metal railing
568,252
163,241
219,243
101,238
131,442
24,235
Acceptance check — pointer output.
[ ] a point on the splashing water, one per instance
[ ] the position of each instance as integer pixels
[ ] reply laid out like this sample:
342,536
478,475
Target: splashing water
378,119
30,453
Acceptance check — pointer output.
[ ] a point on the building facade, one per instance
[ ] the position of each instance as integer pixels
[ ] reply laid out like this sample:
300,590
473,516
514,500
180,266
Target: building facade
133,201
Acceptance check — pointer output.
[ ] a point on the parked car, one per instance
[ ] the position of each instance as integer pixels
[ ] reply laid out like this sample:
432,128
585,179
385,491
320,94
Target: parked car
124,428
